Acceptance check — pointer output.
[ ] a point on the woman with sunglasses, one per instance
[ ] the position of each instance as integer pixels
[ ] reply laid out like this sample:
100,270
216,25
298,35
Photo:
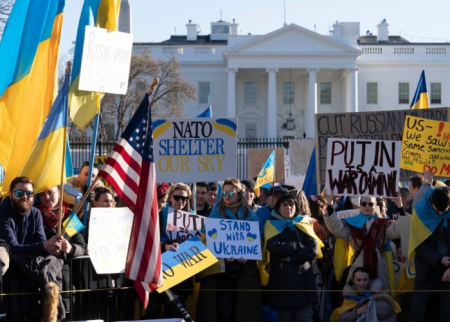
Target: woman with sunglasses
293,245
239,275
367,234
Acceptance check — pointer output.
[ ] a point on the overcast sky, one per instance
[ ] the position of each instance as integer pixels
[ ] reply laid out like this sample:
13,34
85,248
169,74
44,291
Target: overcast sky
418,21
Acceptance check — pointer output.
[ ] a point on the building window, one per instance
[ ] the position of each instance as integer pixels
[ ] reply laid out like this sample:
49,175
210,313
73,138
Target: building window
250,93
204,93
372,93
436,93
403,93
288,93
325,93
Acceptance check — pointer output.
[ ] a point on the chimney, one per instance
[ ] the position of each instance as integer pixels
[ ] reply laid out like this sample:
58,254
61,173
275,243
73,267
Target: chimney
191,31
234,28
383,33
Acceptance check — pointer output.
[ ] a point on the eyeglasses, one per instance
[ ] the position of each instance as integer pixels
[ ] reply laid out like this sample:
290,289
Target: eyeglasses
230,193
178,198
367,204
21,193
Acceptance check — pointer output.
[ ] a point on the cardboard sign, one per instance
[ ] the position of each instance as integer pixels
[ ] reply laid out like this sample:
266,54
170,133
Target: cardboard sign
362,167
257,158
291,179
192,148
105,63
233,238
183,225
347,213
300,152
191,258
109,236
376,125
426,146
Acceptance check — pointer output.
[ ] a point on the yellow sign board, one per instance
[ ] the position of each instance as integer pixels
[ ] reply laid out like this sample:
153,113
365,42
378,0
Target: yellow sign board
426,146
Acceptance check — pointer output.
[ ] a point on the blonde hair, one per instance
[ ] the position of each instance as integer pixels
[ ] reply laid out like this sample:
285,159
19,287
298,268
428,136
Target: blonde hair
183,187
302,202
50,302
238,185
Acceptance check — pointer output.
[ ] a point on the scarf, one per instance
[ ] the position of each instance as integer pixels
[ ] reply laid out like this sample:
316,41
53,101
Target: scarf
50,216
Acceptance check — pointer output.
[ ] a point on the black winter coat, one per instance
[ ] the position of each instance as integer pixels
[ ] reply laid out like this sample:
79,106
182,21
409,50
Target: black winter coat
291,253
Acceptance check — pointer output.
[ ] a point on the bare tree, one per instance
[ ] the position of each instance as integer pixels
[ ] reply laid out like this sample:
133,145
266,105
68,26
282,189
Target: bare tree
169,96
5,10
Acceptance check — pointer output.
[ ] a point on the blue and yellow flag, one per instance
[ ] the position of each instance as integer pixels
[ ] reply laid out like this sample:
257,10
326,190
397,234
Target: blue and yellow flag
424,221
45,163
310,183
206,113
267,173
420,99
85,105
28,65
72,225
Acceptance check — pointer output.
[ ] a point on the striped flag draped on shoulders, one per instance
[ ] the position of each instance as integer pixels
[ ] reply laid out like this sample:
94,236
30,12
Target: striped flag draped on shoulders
130,170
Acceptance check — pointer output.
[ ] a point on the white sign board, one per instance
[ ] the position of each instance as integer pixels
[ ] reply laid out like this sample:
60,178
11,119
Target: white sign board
362,167
105,63
183,225
233,238
347,213
109,236
191,148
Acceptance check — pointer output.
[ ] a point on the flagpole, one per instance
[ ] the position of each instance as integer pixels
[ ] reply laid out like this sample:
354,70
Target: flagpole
63,171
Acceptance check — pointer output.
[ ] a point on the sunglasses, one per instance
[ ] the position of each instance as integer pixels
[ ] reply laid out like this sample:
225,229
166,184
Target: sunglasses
178,198
367,204
21,193
230,193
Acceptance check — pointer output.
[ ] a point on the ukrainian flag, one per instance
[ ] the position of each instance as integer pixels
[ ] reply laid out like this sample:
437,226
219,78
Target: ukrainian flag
275,227
424,221
72,225
45,163
99,13
267,173
420,100
206,113
28,65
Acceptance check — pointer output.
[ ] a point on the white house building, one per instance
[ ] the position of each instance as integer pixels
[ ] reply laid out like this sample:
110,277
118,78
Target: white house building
275,83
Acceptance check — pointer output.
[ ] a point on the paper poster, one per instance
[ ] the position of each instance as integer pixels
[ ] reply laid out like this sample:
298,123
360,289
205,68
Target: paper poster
183,225
233,238
109,236
191,148
362,167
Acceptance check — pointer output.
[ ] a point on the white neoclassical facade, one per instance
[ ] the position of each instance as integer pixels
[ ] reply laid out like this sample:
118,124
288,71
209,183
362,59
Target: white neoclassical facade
275,83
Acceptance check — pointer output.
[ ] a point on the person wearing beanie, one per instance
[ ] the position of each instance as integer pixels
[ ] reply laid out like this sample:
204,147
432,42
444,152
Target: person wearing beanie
250,194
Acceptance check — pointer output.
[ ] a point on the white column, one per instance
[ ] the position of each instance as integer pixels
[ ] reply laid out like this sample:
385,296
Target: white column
272,119
231,110
311,109
353,89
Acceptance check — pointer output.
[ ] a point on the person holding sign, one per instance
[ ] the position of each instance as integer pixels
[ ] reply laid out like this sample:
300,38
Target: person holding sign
71,245
368,236
293,245
239,275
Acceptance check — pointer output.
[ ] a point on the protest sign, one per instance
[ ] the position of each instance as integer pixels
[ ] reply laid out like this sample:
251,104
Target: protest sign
191,258
362,167
109,236
183,225
347,213
300,152
257,158
192,148
426,146
105,63
376,125
233,238
292,179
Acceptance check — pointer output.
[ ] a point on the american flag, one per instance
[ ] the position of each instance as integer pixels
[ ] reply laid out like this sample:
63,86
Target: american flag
130,170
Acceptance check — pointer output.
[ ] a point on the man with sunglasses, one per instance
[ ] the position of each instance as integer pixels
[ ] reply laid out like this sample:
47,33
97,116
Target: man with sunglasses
430,240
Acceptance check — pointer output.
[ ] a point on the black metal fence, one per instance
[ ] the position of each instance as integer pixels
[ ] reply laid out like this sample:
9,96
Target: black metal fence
80,150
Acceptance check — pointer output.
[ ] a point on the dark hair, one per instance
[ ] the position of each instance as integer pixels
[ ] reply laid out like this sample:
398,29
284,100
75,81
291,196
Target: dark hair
359,269
212,186
202,184
416,180
440,198
101,190
404,192
284,198
87,163
20,180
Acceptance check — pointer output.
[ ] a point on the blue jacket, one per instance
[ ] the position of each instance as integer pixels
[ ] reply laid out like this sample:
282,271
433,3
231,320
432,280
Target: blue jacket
24,233
263,214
